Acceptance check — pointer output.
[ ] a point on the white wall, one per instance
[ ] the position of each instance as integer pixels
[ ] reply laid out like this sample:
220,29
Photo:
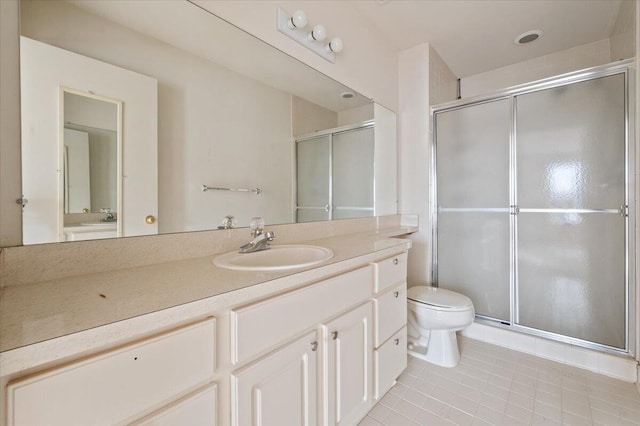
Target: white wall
90,112
367,64
201,140
425,80
622,39
356,115
588,55
10,163
443,83
414,134
308,117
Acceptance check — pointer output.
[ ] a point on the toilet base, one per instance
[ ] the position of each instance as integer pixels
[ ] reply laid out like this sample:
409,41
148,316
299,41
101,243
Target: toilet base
442,349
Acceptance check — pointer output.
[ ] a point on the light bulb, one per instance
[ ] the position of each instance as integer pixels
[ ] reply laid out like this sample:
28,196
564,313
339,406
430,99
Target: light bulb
335,45
298,20
319,33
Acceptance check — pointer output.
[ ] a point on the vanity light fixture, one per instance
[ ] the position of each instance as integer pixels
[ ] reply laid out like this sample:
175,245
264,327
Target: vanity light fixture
298,20
294,27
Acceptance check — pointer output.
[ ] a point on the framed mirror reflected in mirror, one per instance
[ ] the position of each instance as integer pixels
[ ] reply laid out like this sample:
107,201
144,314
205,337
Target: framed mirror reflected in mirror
202,103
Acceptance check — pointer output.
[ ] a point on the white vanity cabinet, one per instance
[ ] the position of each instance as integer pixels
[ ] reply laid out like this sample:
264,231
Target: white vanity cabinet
119,385
347,366
354,349
318,350
390,306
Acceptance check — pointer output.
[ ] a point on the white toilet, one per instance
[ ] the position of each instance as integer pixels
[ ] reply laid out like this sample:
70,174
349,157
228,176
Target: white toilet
435,314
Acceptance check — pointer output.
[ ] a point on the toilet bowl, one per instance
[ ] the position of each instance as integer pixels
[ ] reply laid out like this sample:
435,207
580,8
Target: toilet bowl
434,315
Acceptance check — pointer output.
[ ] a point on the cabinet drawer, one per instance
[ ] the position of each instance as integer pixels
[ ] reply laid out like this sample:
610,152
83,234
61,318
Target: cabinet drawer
389,361
198,408
115,386
390,271
257,327
390,312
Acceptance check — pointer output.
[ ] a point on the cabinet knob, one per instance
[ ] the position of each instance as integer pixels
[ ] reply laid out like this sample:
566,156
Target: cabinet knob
396,341
334,335
150,220
314,346
395,261
396,294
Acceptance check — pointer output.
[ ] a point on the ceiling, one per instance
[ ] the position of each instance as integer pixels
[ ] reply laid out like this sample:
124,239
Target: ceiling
474,36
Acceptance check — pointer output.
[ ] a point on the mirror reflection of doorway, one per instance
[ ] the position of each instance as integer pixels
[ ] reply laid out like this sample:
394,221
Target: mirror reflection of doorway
63,91
90,147
90,155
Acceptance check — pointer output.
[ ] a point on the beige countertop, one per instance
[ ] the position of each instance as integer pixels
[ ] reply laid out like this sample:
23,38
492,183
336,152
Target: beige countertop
31,313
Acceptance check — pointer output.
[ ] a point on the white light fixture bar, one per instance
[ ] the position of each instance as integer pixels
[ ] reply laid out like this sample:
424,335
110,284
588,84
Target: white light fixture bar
304,37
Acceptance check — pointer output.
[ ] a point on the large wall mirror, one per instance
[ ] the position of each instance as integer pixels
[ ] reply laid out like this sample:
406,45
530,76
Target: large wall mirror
166,110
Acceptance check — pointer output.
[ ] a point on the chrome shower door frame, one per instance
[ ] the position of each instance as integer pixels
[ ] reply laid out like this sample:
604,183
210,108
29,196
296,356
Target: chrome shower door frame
626,68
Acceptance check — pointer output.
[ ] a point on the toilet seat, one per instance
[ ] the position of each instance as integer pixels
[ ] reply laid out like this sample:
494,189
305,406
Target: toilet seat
439,298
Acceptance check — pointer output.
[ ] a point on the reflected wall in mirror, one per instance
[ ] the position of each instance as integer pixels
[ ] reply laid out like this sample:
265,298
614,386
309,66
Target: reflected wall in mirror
229,109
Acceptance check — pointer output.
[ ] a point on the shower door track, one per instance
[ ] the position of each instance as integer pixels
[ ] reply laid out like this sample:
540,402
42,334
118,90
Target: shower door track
620,67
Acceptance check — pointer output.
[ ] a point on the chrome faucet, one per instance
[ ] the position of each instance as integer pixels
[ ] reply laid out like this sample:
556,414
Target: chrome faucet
109,216
227,222
260,240
259,243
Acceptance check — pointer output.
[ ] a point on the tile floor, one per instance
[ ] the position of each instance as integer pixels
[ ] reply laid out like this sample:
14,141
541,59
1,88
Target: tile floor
498,386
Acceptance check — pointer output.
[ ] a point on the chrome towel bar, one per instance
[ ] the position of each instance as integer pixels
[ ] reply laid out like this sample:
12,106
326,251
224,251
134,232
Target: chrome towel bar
213,188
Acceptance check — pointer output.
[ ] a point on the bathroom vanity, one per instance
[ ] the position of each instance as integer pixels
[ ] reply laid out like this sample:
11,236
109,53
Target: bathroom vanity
316,346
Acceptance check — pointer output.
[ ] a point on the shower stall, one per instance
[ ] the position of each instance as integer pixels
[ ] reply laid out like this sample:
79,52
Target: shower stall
335,173
533,206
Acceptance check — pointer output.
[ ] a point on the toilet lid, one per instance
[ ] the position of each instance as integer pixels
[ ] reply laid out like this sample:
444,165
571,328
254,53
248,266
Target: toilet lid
438,297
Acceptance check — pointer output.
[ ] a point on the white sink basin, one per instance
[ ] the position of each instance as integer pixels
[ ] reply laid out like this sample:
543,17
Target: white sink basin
277,258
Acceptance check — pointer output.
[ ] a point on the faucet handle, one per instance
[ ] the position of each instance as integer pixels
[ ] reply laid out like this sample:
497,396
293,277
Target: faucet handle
228,222
256,225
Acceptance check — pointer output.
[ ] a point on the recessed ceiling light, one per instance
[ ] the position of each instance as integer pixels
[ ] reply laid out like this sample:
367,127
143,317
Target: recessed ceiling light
528,37
347,95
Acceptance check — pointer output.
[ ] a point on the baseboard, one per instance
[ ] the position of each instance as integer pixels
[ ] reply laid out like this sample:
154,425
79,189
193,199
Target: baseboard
618,367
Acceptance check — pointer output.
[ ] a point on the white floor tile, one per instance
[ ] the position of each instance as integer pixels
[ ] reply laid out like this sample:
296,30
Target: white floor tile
500,387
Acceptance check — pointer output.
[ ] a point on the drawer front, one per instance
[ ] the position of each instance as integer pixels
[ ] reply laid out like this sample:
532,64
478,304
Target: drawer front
390,272
198,408
389,361
257,327
260,326
116,385
390,312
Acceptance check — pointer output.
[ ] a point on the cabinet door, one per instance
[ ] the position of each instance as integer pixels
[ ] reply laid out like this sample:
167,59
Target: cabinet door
347,365
279,389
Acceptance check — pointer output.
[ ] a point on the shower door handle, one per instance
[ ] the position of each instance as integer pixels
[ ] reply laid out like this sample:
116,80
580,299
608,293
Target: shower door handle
623,210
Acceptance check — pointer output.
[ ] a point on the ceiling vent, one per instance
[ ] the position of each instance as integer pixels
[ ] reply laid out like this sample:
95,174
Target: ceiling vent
528,37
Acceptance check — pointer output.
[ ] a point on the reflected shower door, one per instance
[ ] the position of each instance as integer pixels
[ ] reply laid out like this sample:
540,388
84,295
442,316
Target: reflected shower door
571,258
313,179
473,220
352,154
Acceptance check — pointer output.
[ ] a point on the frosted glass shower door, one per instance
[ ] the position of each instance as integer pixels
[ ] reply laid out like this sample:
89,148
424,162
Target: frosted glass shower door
353,173
473,220
570,160
313,179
